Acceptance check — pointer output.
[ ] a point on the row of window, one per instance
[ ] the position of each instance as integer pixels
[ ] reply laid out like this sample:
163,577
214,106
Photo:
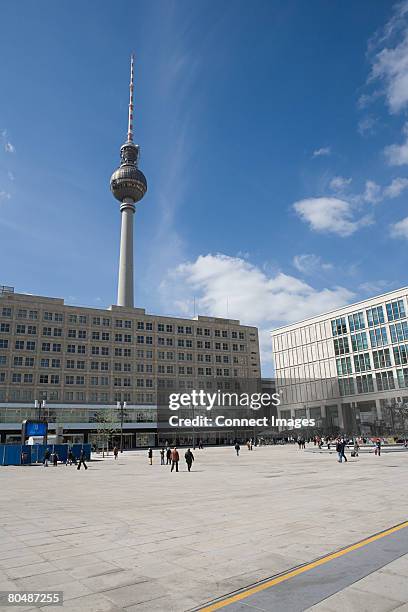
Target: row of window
381,359
375,316
384,381
378,337
7,312
56,347
80,380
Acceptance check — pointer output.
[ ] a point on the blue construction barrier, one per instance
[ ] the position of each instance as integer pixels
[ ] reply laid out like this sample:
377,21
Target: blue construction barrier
19,454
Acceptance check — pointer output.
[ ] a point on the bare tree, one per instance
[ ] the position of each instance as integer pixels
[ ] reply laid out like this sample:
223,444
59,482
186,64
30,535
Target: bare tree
107,425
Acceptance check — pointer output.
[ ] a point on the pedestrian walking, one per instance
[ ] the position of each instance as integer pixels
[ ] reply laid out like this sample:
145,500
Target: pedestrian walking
168,456
340,446
55,459
82,460
150,455
237,448
115,452
356,448
189,457
378,447
70,457
175,458
162,456
47,456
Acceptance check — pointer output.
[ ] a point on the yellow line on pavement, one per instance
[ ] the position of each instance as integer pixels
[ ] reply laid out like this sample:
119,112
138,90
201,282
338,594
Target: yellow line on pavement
300,570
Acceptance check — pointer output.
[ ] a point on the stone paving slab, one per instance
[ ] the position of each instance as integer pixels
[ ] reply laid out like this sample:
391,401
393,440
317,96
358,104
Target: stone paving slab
123,531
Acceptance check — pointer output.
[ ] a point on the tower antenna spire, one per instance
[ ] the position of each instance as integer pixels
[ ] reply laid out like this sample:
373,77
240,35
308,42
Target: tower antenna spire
131,99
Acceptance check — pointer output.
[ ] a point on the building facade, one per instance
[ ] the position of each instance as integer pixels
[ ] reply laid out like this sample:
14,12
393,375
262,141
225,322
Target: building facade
82,361
348,368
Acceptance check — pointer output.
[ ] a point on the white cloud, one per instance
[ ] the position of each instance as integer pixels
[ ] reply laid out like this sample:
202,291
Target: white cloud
397,155
253,296
400,229
332,215
10,175
367,125
321,152
339,183
4,195
310,264
9,148
372,192
396,187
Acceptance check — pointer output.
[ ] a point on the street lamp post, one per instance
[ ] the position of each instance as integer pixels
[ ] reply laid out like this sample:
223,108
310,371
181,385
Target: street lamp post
121,406
39,404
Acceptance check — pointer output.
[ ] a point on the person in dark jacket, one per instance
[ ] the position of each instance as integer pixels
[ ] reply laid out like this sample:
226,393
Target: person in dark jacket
340,446
175,458
168,456
82,460
189,457
162,456
237,448
47,457
55,459
150,455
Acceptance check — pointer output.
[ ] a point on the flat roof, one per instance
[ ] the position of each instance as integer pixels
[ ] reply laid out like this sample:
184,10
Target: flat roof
346,307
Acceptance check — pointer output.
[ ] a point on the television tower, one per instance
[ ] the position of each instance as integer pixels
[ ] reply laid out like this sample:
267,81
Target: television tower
128,185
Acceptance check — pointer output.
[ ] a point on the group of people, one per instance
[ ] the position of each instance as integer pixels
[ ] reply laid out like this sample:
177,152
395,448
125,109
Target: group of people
172,457
52,457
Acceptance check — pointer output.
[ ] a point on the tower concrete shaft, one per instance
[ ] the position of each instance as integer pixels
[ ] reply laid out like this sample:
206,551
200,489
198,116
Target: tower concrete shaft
125,282
128,185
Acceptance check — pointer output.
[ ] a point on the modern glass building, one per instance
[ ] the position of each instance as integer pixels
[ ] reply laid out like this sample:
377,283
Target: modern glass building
348,368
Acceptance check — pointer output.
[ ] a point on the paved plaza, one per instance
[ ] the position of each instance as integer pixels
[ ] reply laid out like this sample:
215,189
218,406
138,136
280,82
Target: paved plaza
129,536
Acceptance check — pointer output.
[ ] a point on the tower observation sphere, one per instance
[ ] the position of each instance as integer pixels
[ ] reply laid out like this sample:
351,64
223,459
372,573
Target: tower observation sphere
128,185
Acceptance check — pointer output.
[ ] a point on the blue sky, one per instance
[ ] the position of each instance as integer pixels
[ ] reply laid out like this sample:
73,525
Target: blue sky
274,141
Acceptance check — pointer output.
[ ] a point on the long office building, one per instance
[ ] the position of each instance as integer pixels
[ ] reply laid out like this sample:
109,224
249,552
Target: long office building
81,361
348,368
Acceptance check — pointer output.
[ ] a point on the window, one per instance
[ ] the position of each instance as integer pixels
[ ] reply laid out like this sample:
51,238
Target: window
57,331
6,312
5,328
362,362
339,326
106,322
343,366
365,383
30,346
19,345
399,332
58,317
56,347
72,318
346,386
82,319
3,360
96,320
72,333
45,363
47,316
356,321
55,379
96,335
81,348
105,336
385,380
16,378
71,348
69,380
375,316
401,354
128,324
18,361
20,328
82,334
44,379
55,363
70,364
395,310
4,343
341,346
32,330
402,377
199,331
21,313
28,378
104,366
382,358
378,337
359,342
